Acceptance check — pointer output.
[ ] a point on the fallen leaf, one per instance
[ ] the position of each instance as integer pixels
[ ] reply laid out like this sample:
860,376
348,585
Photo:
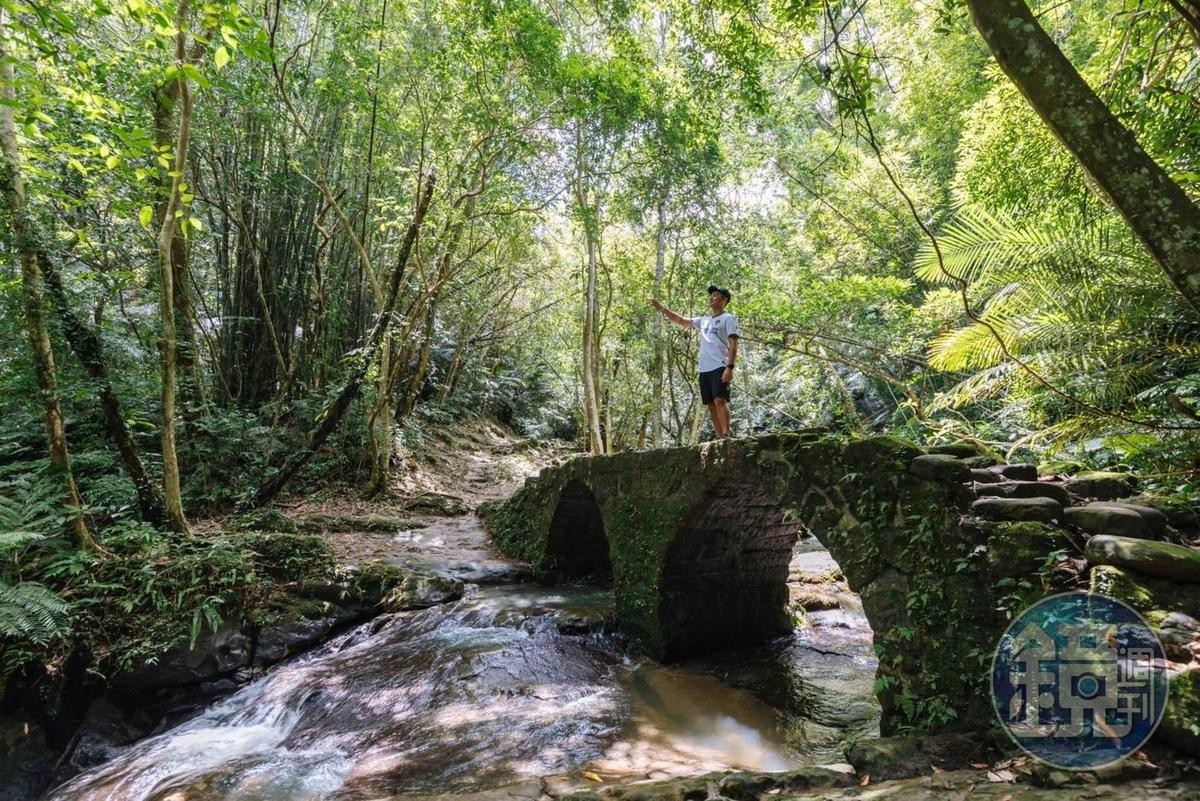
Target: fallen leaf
593,777
1001,776
979,765
864,780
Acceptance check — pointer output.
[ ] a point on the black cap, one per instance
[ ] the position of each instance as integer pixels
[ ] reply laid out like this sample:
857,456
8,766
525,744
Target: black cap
724,291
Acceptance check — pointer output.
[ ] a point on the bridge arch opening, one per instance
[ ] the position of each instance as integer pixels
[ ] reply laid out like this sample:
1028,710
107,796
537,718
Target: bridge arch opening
577,546
724,578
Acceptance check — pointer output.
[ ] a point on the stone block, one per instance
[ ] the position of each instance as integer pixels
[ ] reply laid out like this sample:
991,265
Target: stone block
1043,510
1162,559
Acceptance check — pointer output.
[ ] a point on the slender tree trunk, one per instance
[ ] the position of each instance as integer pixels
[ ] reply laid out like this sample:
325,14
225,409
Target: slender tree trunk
88,348
589,214
656,364
1160,213
31,290
332,415
172,494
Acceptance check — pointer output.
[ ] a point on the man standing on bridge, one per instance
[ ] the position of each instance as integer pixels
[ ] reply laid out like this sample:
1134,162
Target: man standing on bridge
718,352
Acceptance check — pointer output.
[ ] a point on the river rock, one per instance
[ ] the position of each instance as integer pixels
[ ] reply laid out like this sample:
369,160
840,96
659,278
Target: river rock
1016,472
1042,510
420,591
215,654
280,641
979,462
883,758
1163,559
939,467
1102,486
1109,520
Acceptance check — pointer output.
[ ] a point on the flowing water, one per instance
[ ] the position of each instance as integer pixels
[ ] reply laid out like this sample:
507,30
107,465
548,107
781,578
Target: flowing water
509,683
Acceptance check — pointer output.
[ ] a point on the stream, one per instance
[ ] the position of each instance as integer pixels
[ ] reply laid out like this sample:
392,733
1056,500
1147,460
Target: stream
514,681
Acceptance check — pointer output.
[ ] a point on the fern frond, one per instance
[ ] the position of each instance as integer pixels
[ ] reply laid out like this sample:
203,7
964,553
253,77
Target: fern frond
30,611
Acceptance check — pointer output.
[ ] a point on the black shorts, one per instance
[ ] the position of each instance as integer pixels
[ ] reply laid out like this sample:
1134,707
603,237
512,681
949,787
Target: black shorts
712,387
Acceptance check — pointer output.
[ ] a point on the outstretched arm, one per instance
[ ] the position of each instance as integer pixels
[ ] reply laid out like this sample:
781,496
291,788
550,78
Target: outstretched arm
678,319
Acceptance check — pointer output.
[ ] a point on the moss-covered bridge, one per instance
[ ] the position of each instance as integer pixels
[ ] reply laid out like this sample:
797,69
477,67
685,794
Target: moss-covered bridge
697,542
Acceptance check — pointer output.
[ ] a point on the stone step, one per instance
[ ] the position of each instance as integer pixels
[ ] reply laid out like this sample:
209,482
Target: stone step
1025,489
1043,510
1102,486
1163,559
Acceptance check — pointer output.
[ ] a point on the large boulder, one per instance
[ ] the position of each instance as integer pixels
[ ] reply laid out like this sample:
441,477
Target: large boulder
1042,510
1162,559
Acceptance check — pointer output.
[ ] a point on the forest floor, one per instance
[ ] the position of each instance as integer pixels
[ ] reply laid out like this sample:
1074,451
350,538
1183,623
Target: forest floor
458,467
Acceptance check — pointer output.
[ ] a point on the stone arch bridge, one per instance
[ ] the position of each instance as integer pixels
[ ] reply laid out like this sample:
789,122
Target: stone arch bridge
697,543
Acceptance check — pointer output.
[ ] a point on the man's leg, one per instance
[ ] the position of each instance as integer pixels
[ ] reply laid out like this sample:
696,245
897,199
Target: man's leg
715,414
721,416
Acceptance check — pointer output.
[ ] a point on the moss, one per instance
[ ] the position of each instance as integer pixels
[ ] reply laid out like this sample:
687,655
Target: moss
1180,727
1152,598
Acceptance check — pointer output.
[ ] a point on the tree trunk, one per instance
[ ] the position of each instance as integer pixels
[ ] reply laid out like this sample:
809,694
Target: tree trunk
1156,208
591,305
31,290
167,232
88,348
656,363
332,415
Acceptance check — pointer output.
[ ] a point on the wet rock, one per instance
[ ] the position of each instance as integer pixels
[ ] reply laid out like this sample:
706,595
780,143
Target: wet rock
1102,486
1043,510
419,591
939,467
276,643
579,624
884,758
106,731
983,476
991,491
1180,726
27,763
215,654
1108,520
1163,559
1017,472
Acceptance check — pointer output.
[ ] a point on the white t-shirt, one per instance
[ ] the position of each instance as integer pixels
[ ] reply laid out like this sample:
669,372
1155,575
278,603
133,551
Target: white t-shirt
714,339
